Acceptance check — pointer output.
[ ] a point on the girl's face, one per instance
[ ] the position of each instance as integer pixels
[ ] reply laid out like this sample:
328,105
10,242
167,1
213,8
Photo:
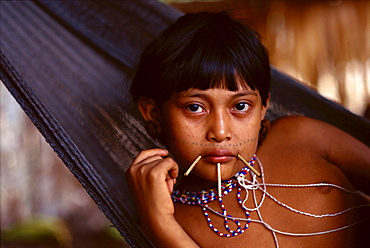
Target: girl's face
215,123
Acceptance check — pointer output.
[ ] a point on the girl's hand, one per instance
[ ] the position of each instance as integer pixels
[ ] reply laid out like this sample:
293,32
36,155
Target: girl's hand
151,178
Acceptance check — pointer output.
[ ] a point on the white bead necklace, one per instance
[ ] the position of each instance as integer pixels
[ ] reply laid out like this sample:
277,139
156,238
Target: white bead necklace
255,185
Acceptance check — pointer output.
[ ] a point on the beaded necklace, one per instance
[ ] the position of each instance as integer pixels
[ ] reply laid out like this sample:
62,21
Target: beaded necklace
203,197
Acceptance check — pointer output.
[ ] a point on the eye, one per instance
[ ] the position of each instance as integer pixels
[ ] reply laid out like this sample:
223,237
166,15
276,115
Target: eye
195,108
242,106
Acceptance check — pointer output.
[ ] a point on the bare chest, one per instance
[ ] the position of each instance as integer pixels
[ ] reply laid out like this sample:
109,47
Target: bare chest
283,211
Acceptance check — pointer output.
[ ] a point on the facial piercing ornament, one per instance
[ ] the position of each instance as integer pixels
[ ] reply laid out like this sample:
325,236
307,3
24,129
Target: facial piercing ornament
248,165
219,180
192,166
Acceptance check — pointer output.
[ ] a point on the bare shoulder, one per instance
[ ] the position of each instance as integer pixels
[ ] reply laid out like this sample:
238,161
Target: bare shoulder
309,130
300,134
322,138
297,124
301,130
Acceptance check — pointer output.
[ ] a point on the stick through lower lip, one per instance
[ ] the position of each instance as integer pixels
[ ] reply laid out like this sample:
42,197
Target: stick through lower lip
219,180
248,165
192,165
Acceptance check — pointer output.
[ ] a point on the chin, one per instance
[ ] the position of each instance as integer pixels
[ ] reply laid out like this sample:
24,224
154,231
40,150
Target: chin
211,175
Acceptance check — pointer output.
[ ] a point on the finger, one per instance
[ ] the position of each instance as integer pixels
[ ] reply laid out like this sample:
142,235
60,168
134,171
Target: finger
173,168
171,177
174,172
170,184
167,167
149,153
150,160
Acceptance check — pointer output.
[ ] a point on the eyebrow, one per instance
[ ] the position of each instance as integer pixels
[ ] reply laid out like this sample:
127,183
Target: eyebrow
246,93
239,94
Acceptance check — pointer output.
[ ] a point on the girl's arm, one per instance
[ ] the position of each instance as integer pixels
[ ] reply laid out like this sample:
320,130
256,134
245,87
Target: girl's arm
151,178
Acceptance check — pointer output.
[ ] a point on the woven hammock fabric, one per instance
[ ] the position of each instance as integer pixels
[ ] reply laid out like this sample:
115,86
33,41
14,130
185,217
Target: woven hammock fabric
69,65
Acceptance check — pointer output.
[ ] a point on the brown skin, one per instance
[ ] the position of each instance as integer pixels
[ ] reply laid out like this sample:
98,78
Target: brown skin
297,150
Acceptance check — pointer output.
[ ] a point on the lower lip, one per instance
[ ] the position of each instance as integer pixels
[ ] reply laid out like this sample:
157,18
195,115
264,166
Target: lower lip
218,159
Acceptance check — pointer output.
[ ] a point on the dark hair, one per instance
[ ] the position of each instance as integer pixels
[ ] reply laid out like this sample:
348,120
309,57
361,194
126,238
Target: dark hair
204,50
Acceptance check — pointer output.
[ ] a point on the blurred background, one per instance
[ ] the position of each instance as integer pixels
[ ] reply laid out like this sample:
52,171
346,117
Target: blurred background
324,44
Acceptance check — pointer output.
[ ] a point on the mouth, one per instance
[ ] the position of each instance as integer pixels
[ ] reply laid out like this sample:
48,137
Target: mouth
219,156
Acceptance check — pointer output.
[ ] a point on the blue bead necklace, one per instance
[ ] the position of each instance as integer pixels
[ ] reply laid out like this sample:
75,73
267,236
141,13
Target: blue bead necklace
203,197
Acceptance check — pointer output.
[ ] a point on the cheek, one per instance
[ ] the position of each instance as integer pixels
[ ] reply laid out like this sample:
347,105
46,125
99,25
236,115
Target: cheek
183,141
175,130
184,137
178,130
246,129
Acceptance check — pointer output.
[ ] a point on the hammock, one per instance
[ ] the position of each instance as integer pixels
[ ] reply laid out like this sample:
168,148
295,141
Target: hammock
69,65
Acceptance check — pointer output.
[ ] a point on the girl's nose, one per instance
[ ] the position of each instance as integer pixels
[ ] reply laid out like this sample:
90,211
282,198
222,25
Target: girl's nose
219,128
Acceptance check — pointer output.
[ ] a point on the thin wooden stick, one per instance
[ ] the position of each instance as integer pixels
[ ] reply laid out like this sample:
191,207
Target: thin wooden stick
219,179
192,166
248,165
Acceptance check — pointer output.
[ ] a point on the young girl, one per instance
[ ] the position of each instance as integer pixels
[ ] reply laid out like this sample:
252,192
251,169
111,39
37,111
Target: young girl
203,88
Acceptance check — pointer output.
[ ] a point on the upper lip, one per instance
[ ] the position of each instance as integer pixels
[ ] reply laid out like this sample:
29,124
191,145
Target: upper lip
219,153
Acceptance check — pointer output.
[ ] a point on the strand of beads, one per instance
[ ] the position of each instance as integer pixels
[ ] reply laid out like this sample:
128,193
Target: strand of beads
203,197
231,233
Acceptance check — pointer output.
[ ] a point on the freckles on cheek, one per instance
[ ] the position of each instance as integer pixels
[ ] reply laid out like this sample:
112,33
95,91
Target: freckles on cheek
239,144
245,136
186,132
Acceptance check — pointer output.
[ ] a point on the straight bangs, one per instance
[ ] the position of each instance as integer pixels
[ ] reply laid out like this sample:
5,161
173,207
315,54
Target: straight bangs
212,68
203,51
217,57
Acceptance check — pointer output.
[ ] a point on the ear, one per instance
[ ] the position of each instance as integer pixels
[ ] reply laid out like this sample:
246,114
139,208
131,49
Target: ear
264,108
150,112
